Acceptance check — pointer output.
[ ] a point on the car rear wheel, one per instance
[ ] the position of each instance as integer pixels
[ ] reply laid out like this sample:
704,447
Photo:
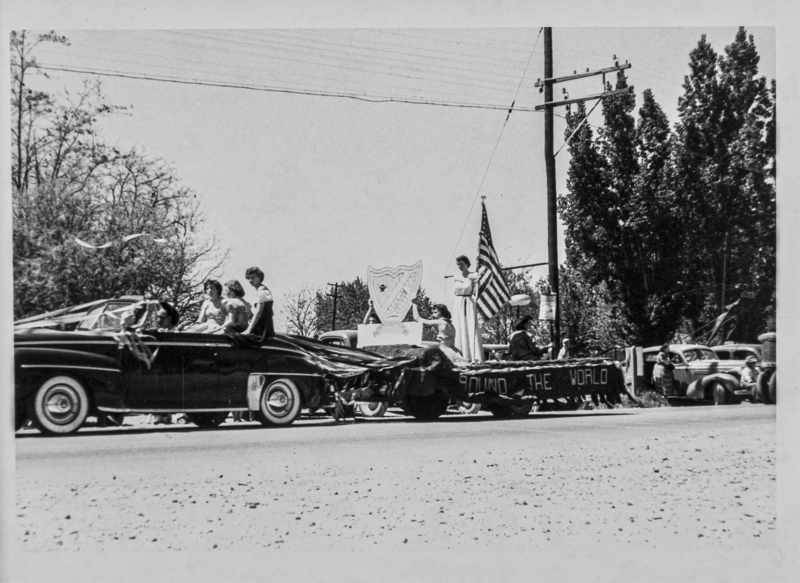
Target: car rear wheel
427,407
512,410
207,420
59,406
370,409
280,404
719,396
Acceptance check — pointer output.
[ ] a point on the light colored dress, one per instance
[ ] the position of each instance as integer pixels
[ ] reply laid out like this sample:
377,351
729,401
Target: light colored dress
241,313
465,318
211,313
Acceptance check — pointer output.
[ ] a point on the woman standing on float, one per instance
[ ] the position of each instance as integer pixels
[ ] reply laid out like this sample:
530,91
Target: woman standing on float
465,316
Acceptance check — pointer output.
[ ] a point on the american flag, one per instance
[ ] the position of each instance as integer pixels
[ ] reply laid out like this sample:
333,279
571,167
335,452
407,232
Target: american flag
493,292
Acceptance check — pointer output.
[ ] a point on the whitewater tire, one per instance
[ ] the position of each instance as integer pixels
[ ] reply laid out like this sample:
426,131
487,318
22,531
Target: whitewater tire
371,409
59,406
280,404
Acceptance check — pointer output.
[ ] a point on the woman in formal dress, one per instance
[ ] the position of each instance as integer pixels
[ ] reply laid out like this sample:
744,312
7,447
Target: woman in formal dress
465,317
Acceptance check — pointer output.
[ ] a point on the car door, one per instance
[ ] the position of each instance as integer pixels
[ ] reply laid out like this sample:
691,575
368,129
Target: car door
159,384
681,373
200,378
234,366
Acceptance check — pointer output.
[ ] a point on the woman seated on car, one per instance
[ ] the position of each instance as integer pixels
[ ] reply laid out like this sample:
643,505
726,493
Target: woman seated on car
239,312
213,312
447,332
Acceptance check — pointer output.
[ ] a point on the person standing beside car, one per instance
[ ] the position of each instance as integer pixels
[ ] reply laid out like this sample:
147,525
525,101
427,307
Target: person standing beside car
663,376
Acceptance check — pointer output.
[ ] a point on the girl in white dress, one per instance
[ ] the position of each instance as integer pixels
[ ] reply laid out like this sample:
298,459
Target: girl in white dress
465,316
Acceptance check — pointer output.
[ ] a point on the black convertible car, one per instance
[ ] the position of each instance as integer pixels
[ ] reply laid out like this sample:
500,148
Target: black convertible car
106,358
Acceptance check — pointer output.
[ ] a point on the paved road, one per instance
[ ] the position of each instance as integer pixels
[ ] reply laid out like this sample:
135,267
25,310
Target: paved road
673,478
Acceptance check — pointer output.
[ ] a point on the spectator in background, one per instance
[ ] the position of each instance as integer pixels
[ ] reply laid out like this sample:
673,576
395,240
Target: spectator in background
748,375
564,354
520,344
663,377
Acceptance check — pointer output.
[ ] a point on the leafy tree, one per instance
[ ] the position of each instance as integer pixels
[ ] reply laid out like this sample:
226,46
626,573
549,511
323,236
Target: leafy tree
299,311
619,217
723,178
68,185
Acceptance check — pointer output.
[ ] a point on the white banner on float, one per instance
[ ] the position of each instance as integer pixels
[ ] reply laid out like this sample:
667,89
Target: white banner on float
390,333
547,307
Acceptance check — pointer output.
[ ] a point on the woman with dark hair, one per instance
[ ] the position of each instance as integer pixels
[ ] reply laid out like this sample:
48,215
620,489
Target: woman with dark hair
238,310
442,320
213,312
468,336
520,344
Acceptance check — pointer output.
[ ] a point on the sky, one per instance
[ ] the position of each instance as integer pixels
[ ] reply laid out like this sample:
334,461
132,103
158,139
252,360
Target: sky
314,189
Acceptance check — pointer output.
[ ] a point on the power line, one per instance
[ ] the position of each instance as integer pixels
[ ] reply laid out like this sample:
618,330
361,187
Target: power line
183,81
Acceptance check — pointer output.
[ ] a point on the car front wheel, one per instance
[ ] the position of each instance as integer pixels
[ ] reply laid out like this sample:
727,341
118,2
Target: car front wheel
280,404
59,406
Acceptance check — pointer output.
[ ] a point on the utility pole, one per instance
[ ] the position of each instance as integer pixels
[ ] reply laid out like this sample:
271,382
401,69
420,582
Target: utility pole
550,169
335,297
550,161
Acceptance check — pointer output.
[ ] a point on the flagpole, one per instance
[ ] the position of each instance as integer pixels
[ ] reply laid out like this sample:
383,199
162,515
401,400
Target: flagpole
550,169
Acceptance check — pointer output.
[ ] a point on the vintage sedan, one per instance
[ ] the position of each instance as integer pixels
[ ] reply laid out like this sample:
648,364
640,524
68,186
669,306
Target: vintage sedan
90,360
699,374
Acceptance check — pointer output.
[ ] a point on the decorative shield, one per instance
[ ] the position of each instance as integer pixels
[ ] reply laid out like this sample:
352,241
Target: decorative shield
392,289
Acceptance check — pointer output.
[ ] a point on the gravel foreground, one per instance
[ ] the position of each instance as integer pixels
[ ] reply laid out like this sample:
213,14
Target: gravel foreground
666,481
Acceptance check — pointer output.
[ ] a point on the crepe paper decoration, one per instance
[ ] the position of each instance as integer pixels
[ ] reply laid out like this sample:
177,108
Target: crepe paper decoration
111,243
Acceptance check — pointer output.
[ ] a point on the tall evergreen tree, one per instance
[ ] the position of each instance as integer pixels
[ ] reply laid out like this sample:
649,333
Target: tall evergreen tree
618,215
723,179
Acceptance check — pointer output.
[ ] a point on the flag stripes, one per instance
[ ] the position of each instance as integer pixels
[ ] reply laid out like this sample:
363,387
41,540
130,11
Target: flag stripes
493,291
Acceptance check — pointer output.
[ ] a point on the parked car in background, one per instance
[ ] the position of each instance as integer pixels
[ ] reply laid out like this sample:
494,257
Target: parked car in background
737,353
347,338
699,374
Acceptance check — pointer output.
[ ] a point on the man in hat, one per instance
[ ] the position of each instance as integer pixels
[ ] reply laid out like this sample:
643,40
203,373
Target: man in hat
748,375
564,354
